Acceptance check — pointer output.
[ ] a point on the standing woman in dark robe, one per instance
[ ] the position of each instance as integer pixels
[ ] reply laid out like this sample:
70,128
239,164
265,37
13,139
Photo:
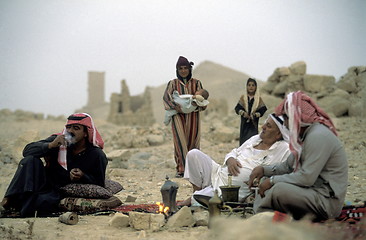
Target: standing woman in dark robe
250,108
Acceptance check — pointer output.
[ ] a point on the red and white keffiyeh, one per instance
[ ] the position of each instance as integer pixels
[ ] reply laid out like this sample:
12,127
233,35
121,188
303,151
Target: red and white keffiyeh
302,111
93,134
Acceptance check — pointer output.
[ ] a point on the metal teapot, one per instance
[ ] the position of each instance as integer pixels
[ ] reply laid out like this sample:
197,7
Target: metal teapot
169,192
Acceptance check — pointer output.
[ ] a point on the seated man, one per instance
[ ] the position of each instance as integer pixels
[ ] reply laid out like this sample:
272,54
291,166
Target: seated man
266,148
187,103
313,180
74,156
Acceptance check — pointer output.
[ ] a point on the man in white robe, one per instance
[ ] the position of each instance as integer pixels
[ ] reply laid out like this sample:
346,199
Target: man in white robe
266,148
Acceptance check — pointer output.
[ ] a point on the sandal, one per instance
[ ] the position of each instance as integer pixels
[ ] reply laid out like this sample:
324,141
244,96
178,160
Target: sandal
179,175
202,199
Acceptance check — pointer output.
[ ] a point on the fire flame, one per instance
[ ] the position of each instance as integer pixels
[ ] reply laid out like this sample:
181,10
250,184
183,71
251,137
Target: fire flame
162,208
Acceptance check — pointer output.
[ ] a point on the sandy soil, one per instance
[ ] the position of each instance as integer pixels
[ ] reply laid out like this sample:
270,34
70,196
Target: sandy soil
143,182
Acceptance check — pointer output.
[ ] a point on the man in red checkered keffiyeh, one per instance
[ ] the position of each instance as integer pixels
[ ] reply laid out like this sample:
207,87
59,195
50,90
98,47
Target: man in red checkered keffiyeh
93,135
313,180
301,111
73,156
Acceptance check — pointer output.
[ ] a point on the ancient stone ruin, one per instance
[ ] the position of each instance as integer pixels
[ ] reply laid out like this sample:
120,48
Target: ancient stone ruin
96,89
96,105
131,110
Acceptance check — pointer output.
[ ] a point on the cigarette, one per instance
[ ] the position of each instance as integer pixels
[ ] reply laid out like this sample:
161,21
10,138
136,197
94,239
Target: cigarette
255,189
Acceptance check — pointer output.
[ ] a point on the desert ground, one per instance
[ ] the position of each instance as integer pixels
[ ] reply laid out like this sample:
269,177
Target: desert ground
143,179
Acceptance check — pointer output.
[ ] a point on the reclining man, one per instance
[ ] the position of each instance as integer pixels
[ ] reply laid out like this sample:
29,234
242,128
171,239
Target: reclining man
313,180
265,148
73,156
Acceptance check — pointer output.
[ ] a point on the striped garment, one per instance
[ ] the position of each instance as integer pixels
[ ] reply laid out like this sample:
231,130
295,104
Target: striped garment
185,127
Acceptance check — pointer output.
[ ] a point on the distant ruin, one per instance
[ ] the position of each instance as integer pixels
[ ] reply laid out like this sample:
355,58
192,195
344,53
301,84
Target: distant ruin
96,105
131,110
96,84
123,108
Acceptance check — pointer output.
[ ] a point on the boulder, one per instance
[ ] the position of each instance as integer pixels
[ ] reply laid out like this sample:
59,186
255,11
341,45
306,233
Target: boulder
295,83
283,71
317,83
280,89
298,68
336,103
182,218
119,220
146,221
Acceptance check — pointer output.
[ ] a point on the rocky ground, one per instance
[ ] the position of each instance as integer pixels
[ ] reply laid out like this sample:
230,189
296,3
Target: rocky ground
142,173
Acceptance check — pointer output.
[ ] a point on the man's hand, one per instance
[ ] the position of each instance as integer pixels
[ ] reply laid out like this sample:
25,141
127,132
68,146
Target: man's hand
58,141
255,176
264,186
233,166
76,174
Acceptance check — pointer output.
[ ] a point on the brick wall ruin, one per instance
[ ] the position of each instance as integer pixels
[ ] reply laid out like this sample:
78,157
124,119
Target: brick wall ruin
131,110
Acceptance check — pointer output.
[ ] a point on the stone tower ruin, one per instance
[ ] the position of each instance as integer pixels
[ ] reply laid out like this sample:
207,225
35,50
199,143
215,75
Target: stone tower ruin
96,89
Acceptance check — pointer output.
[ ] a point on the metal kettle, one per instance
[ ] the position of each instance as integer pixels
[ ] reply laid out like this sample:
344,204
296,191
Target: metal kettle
169,192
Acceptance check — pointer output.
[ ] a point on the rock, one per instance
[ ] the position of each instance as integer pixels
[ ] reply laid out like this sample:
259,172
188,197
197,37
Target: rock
295,83
182,218
283,71
201,218
269,86
337,103
347,84
155,140
298,68
119,158
280,89
317,83
119,220
357,108
130,198
146,221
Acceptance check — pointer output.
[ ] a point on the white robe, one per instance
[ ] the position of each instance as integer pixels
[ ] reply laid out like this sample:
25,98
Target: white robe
204,172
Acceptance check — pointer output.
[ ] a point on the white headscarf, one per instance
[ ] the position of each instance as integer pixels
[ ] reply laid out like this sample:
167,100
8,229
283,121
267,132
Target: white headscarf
279,122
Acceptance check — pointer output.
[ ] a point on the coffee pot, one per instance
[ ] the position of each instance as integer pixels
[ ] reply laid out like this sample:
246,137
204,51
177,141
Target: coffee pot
169,192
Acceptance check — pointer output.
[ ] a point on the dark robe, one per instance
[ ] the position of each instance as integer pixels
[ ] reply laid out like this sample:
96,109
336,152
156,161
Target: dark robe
248,127
35,187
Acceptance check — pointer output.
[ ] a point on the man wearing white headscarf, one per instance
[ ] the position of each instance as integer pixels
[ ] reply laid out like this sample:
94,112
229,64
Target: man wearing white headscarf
266,148
313,180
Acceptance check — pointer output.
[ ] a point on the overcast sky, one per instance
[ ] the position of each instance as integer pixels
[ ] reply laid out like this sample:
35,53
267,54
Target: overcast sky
48,47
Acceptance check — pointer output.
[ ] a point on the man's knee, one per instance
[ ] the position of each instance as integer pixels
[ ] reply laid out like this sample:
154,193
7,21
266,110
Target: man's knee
30,160
281,191
193,154
289,194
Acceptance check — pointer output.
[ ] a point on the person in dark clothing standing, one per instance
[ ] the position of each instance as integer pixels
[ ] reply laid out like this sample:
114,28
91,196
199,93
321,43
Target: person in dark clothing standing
250,108
73,156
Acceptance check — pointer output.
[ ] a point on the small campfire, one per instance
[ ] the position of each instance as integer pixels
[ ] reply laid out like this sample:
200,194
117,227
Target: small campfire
163,209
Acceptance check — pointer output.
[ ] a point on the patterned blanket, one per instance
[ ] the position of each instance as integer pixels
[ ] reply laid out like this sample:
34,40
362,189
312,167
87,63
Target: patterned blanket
147,208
